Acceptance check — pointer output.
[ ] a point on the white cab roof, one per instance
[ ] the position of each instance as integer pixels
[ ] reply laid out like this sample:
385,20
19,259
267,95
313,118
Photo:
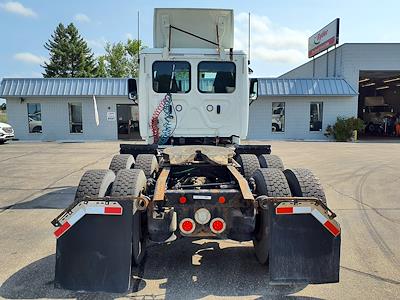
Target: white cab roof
200,22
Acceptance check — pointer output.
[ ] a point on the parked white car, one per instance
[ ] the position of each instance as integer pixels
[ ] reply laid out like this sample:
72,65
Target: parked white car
6,132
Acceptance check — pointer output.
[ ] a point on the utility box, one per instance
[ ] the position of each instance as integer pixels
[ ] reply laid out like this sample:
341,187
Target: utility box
214,25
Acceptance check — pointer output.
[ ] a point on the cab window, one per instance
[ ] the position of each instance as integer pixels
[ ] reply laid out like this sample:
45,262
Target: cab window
216,77
171,77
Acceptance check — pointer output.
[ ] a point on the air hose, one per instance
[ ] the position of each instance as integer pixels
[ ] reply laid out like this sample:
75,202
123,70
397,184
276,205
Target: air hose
164,107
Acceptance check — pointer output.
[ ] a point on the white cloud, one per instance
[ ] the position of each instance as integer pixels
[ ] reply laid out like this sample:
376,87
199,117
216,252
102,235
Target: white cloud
129,36
29,58
97,43
271,42
82,18
17,8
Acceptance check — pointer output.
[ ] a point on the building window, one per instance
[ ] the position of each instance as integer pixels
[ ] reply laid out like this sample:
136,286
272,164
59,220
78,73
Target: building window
171,77
216,77
316,112
34,117
75,117
278,116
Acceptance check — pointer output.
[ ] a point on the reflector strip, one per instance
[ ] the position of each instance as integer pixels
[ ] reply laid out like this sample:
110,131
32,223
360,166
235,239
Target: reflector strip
321,218
73,215
62,229
286,208
76,216
94,210
302,210
335,231
113,210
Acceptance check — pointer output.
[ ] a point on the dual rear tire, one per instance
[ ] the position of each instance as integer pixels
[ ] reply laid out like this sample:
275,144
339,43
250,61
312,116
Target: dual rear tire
250,163
272,182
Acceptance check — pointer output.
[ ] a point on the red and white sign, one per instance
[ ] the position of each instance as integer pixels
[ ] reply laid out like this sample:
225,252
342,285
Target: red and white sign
324,39
69,217
290,208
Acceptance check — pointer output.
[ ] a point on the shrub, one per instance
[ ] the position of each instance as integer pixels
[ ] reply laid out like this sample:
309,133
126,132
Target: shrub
3,117
343,129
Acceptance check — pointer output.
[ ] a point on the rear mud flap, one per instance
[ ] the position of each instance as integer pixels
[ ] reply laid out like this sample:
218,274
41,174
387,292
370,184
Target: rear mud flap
95,253
301,250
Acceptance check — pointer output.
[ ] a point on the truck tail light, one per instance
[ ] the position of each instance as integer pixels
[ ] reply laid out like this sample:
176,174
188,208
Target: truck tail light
187,226
217,225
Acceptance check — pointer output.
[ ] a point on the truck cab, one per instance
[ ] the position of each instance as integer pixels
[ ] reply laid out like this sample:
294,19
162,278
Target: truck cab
193,86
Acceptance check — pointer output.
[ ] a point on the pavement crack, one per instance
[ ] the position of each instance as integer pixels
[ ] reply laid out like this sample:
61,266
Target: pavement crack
376,277
22,155
362,203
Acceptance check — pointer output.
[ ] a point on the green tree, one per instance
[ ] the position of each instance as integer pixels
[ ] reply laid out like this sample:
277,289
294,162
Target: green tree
101,67
132,48
69,53
117,60
120,60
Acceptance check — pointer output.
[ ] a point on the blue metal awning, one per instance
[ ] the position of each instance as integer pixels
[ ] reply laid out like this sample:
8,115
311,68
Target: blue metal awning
50,87
334,87
32,87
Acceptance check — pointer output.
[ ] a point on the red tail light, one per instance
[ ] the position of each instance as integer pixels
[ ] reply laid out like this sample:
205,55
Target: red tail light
182,200
217,225
221,200
187,226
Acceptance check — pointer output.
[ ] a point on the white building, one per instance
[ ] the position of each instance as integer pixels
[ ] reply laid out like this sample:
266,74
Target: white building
63,109
298,105
299,108
372,69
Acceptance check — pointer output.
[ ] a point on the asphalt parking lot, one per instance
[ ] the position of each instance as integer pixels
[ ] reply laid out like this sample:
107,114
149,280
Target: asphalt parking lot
362,180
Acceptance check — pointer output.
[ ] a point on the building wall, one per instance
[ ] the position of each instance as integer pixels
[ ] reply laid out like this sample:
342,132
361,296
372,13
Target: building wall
55,118
320,66
350,59
297,116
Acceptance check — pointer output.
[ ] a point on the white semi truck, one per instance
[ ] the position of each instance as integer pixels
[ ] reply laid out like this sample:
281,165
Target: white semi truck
193,178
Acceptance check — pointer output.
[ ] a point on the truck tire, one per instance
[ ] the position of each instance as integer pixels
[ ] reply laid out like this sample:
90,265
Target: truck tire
129,182
94,184
121,162
271,161
148,163
303,183
133,183
272,183
249,164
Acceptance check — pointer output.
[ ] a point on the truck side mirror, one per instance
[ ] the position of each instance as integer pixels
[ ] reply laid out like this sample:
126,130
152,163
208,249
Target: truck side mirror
132,89
253,93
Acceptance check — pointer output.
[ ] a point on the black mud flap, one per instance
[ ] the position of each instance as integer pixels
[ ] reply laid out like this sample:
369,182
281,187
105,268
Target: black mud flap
302,250
95,253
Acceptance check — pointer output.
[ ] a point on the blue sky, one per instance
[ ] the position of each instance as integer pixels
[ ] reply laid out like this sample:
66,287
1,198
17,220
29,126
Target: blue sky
280,28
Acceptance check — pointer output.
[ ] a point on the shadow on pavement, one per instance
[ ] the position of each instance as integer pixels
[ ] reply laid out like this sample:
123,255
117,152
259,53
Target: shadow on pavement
210,268
186,270
57,199
37,281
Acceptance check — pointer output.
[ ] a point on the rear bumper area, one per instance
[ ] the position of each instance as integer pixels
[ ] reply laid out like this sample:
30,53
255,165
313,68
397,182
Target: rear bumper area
228,206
